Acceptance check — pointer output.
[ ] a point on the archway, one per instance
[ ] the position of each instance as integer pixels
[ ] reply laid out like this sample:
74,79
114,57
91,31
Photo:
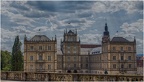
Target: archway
68,71
75,71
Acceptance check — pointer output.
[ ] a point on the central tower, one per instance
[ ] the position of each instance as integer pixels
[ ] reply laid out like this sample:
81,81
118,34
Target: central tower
70,48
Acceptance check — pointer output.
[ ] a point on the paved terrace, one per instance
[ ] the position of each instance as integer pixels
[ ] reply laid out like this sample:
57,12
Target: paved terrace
37,76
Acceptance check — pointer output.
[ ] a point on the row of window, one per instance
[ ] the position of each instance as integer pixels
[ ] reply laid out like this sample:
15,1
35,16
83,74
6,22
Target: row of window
121,58
40,58
122,66
41,48
41,67
122,48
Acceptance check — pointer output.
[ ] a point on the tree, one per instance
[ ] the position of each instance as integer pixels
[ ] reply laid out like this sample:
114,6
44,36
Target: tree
17,58
5,61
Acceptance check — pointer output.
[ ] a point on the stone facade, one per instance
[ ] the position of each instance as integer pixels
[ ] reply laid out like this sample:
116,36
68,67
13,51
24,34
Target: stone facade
113,56
40,54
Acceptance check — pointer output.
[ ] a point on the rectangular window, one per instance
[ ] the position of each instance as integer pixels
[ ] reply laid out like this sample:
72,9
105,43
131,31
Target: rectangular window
122,58
74,65
74,58
49,58
86,59
129,65
114,65
31,48
129,57
129,48
68,51
114,48
31,58
86,65
40,57
121,48
49,47
31,67
49,67
40,47
81,65
122,66
68,58
114,57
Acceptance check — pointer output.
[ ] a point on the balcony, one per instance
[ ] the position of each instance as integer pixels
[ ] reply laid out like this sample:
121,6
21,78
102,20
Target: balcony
39,61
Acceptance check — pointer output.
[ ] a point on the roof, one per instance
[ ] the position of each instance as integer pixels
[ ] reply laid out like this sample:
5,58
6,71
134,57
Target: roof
89,45
40,38
119,39
71,32
97,50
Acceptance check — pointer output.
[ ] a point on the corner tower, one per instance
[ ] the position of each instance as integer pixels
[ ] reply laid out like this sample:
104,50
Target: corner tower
106,36
70,47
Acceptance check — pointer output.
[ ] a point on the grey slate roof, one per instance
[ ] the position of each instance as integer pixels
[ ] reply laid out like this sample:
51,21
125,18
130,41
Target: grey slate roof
119,39
71,32
40,38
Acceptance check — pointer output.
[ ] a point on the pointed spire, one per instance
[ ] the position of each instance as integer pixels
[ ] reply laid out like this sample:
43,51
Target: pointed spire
66,30
76,31
106,27
79,39
134,39
55,38
25,37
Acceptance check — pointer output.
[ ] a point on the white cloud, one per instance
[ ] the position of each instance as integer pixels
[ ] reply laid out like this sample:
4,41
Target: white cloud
133,27
114,6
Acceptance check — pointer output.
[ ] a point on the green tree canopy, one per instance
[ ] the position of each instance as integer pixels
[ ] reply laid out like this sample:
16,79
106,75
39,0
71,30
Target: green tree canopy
17,58
5,60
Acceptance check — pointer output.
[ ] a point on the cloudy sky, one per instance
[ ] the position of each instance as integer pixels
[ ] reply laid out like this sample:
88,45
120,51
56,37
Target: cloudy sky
27,17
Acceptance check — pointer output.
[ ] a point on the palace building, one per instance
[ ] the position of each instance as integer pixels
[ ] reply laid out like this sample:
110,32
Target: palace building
112,56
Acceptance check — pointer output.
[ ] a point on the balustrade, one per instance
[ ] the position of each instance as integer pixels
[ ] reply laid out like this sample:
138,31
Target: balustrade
43,76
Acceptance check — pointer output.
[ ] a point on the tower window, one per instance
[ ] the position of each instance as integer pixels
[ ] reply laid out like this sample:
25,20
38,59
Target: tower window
114,57
31,58
49,47
129,57
86,65
129,48
121,48
114,48
49,58
31,48
122,57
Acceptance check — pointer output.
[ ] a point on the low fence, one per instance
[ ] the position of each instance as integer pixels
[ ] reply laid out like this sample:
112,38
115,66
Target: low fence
43,76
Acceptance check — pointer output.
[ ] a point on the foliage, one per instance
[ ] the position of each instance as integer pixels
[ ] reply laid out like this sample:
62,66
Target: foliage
5,61
17,58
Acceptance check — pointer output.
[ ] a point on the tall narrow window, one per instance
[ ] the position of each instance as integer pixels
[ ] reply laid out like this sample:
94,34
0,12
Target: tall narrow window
129,57
114,65
86,59
40,57
121,48
86,65
31,48
81,65
74,58
122,66
114,57
129,48
49,47
122,58
31,58
129,65
49,67
49,58
74,65
114,48
40,47
31,67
